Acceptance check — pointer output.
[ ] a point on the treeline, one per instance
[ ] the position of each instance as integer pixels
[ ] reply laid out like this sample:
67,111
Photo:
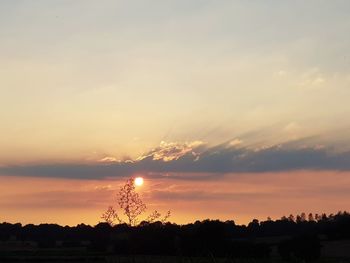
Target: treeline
298,236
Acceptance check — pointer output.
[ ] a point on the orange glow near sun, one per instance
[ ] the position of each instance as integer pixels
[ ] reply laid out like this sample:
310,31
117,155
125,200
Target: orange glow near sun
138,181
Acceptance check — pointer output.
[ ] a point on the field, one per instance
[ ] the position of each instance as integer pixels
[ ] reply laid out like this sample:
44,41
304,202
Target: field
59,257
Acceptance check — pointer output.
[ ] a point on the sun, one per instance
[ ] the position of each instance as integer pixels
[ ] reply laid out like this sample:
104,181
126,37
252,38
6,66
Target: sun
138,181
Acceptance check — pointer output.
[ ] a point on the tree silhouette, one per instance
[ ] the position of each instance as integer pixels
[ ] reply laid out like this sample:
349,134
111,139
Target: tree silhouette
132,206
311,217
130,202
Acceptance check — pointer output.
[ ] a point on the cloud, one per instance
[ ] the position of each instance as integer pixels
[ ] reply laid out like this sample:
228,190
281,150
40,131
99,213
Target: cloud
196,157
236,142
172,151
200,196
68,199
312,79
108,159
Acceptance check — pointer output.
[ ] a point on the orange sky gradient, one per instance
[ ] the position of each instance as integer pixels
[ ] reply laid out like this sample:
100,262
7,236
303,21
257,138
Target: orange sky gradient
228,109
239,197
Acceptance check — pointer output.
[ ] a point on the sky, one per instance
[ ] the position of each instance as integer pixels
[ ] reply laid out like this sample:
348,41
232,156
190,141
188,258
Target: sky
228,109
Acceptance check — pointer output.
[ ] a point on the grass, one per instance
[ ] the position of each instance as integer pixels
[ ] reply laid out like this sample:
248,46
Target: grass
85,257
167,259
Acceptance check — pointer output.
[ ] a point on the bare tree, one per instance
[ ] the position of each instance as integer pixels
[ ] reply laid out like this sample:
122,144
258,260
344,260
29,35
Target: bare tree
130,202
110,215
132,206
155,215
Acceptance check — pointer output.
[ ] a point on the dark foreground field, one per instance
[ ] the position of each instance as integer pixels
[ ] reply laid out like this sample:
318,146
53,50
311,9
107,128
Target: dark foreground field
101,258
300,239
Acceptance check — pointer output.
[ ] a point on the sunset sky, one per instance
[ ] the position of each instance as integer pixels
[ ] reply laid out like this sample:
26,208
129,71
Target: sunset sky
228,109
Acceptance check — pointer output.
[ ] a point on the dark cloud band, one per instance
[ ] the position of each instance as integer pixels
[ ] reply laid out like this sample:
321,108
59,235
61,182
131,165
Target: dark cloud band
220,159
